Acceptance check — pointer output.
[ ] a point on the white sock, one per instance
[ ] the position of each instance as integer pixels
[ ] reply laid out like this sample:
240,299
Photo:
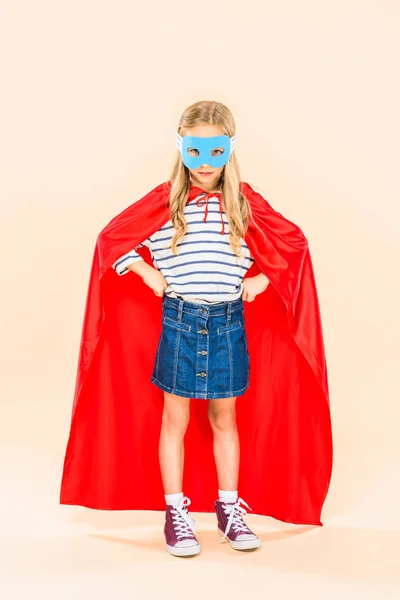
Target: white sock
173,498
227,496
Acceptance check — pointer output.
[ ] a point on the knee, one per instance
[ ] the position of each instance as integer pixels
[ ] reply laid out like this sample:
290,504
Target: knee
222,420
175,421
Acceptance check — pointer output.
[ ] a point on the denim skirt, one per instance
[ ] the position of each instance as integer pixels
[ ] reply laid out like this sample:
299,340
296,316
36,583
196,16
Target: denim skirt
202,351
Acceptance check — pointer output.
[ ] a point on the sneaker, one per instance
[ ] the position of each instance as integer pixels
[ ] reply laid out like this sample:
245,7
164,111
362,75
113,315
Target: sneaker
232,527
179,530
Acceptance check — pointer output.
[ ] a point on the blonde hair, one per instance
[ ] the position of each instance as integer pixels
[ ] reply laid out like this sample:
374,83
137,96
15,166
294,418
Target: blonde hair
234,203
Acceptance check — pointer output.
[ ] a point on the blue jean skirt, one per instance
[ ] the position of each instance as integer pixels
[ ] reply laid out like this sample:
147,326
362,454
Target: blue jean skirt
202,351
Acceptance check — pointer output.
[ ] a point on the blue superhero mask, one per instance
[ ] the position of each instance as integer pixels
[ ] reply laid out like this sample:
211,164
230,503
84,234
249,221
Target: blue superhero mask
205,150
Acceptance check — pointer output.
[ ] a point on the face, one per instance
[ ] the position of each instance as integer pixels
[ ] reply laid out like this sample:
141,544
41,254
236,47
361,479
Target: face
206,176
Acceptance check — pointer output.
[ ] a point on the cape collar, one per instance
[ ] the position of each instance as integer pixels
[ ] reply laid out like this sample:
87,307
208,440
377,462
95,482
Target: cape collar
195,191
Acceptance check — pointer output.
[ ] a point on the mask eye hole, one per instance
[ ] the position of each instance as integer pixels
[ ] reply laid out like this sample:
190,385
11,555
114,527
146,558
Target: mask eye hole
217,151
193,152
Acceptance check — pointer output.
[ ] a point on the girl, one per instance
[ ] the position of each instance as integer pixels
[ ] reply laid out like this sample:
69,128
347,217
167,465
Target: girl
204,228
200,259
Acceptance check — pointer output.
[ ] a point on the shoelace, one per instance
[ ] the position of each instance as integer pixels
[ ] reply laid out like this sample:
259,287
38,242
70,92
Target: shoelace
235,512
182,521
204,200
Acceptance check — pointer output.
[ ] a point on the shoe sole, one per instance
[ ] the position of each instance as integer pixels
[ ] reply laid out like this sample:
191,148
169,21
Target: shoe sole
241,544
184,551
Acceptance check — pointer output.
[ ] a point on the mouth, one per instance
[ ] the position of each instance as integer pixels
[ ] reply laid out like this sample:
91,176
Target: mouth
205,173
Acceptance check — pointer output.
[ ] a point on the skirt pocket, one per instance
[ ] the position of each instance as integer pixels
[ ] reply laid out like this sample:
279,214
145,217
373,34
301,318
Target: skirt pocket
176,324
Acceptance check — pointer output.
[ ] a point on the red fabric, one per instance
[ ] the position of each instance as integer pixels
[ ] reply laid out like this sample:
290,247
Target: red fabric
283,419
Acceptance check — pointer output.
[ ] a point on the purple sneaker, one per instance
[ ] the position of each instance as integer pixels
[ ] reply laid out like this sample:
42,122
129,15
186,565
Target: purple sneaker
232,527
179,530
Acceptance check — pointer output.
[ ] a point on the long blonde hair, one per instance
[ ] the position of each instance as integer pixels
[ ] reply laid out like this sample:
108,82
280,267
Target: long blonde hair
235,205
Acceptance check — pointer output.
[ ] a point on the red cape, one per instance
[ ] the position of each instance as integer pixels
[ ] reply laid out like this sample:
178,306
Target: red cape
283,418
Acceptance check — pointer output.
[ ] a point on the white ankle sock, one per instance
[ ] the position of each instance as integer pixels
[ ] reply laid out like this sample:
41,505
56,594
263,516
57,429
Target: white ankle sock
227,496
173,498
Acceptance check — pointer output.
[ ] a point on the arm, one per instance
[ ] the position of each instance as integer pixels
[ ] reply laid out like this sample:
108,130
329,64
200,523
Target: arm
252,286
141,268
129,261
262,277
132,261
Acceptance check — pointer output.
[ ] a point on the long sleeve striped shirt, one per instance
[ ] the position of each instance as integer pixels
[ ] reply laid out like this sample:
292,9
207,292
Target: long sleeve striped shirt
205,269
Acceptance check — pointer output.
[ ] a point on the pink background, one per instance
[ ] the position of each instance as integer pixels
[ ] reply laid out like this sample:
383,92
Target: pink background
91,92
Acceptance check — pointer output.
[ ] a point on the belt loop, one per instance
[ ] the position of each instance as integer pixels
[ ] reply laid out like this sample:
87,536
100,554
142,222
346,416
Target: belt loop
180,309
229,311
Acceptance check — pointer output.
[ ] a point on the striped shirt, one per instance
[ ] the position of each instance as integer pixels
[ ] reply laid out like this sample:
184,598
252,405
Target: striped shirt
205,268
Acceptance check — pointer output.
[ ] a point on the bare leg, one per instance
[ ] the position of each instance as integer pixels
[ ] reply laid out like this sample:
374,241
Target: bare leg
222,416
175,420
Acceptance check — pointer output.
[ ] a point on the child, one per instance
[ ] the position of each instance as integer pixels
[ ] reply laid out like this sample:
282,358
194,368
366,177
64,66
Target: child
202,352
216,251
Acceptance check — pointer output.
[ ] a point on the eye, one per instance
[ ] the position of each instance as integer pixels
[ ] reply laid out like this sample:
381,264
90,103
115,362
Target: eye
193,152
217,151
